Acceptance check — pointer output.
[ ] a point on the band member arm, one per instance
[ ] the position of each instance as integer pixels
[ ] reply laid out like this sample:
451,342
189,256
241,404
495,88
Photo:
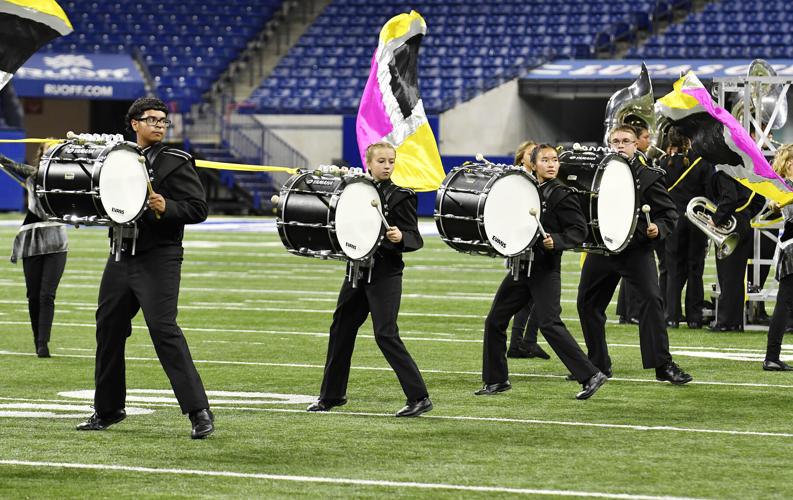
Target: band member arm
20,169
728,199
185,201
403,216
663,211
574,224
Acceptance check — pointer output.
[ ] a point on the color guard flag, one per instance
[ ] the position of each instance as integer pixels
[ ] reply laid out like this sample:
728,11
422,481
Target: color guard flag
721,139
391,109
27,25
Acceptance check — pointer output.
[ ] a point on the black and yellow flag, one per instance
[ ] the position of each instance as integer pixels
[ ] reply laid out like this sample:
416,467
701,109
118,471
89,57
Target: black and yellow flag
25,26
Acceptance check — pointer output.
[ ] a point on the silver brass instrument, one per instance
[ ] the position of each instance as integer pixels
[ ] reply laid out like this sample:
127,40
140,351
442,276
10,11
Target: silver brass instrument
700,211
634,105
763,99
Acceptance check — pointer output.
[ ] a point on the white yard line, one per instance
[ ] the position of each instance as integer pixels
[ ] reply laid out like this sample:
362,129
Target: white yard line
388,369
330,480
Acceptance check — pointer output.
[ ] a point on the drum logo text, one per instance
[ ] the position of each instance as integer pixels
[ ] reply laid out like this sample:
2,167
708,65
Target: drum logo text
117,210
321,182
497,240
348,244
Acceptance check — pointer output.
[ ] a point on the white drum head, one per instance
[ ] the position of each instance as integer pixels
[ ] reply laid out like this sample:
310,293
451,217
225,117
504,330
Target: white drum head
357,221
509,226
616,204
122,185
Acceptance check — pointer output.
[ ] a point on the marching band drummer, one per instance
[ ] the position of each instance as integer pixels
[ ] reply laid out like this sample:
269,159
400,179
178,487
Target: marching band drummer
381,297
149,280
636,265
565,227
523,341
42,246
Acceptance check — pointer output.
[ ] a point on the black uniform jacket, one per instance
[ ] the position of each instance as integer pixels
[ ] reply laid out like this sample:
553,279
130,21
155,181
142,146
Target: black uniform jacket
732,198
401,204
652,191
563,220
174,177
686,182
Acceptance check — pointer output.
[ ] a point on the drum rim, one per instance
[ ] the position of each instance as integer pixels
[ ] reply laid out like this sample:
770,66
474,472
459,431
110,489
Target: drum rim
593,207
96,176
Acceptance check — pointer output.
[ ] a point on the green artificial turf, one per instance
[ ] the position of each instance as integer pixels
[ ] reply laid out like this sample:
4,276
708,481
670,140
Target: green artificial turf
256,320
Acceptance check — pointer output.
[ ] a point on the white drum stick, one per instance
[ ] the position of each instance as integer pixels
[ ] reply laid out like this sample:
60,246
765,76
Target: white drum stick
149,188
533,212
376,205
646,210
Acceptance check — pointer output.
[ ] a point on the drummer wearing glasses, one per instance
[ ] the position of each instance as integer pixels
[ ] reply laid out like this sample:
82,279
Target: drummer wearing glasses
636,265
149,279
565,227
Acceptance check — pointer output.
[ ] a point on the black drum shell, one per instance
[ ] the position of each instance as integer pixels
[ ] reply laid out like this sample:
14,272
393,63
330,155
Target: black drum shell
310,200
582,171
463,194
74,169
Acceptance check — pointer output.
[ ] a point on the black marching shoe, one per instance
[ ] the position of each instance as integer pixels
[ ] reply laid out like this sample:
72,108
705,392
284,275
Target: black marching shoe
535,351
518,350
694,325
718,327
415,408
776,366
203,423
42,350
490,389
570,377
326,404
97,423
591,386
673,324
670,372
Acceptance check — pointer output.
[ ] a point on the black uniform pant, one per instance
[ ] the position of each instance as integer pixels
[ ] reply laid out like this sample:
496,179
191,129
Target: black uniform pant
382,298
42,276
731,272
686,249
543,288
148,281
524,326
780,318
599,278
627,299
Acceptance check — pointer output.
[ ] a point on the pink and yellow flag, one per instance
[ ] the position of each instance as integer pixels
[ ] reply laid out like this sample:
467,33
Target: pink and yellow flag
391,108
721,135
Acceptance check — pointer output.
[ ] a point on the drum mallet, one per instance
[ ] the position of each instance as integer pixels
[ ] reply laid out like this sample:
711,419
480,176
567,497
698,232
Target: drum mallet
376,204
142,161
275,199
533,212
646,210
481,157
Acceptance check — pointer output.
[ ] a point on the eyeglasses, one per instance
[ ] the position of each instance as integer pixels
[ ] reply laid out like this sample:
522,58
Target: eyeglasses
152,121
617,142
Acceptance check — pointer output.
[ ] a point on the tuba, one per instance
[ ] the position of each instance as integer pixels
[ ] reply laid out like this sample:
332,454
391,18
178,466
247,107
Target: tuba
634,105
700,212
764,98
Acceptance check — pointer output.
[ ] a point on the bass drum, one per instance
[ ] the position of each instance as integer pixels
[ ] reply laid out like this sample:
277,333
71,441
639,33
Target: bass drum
98,184
609,197
486,209
326,216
